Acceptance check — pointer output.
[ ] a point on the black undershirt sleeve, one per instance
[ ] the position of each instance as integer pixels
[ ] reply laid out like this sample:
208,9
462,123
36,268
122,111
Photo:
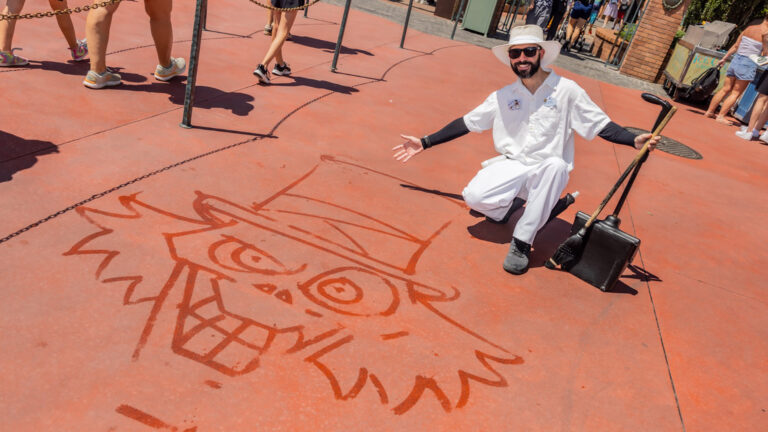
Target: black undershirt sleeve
451,131
617,134
457,128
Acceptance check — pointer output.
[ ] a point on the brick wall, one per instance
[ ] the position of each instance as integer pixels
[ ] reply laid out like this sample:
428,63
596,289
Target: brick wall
652,41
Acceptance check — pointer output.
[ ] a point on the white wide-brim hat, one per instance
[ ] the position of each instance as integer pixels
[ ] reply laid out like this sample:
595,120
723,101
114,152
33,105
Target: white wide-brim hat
528,34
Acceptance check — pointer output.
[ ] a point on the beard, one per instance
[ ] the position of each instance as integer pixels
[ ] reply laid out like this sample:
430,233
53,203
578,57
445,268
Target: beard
534,67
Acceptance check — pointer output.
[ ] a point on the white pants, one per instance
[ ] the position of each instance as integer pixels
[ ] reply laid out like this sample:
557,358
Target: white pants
494,187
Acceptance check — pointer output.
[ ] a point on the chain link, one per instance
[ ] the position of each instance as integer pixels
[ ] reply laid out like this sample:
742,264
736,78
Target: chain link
49,14
105,3
259,4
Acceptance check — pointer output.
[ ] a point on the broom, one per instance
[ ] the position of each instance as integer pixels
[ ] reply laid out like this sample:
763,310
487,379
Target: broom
570,249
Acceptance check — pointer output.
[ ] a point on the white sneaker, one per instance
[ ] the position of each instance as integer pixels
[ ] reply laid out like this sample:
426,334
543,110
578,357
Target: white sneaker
764,137
99,81
747,135
177,67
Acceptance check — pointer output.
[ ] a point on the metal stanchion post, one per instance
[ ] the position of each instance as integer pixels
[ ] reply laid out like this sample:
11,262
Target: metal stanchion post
305,11
205,16
405,25
458,15
636,21
609,60
517,8
341,35
194,54
505,27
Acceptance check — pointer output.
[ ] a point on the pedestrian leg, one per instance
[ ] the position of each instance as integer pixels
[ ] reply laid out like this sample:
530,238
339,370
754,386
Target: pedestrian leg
159,12
7,27
97,28
64,22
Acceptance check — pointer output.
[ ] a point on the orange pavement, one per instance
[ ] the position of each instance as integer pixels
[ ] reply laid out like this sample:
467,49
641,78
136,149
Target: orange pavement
274,269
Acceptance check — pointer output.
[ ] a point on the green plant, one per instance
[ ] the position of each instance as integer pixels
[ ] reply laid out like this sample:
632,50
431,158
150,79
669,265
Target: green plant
739,12
627,32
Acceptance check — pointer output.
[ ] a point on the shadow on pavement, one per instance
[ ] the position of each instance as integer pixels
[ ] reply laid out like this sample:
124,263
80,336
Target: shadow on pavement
547,240
571,55
17,153
299,81
621,288
640,274
81,68
205,97
457,197
210,97
325,45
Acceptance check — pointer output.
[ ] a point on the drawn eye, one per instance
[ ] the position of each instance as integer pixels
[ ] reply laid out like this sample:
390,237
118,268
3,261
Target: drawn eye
352,291
236,255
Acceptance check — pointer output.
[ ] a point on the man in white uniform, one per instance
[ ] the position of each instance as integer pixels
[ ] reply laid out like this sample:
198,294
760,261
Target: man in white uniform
533,120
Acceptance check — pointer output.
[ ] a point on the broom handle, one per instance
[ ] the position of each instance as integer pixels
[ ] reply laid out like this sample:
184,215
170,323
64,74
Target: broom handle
631,166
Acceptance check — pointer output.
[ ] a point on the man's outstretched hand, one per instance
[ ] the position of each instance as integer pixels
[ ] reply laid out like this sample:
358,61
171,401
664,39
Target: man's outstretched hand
640,141
408,149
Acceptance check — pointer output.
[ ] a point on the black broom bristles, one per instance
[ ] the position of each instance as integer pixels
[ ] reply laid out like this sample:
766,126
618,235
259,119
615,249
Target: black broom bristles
568,251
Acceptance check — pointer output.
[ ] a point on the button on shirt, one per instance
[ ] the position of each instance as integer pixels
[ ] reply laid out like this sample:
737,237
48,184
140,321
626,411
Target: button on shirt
533,127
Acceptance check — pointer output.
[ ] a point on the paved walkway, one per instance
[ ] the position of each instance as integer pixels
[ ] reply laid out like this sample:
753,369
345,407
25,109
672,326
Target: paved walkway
274,269
422,21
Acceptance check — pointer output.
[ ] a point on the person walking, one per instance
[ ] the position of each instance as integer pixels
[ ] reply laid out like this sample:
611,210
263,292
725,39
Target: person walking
282,23
97,28
624,6
741,71
533,121
539,13
579,15
759,115
78,49
559,7
596,4
610,11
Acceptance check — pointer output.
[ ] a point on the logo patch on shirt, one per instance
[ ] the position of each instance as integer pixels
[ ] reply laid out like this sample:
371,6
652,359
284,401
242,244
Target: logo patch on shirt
514,104
550,102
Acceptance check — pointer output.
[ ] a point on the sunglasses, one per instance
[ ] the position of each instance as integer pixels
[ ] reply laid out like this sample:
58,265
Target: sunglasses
529,52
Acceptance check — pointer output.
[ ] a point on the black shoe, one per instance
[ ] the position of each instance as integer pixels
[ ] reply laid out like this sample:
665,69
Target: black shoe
283,70
562,204
517,203
262,73
518,257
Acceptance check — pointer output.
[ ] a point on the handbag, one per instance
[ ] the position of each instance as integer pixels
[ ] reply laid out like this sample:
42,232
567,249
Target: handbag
703,85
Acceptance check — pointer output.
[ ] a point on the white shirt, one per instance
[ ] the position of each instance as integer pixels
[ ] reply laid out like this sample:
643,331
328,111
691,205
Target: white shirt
533,127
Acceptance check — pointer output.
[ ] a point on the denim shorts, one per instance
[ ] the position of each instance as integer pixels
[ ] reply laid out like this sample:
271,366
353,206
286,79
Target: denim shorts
742,68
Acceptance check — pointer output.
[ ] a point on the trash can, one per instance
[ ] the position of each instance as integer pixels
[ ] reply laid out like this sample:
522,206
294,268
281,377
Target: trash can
482,16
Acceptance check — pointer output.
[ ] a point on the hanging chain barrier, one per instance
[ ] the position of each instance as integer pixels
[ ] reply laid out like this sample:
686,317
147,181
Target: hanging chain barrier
49,14
78,9
259,4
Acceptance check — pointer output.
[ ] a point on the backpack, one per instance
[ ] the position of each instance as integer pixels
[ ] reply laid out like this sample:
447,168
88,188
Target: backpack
703,86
